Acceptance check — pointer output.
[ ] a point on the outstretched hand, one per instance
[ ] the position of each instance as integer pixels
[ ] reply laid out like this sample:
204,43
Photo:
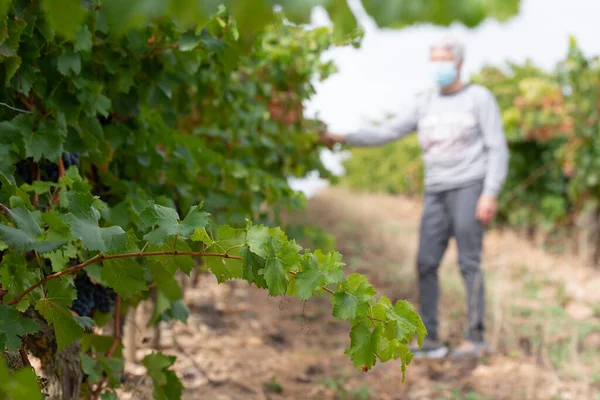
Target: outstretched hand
330,139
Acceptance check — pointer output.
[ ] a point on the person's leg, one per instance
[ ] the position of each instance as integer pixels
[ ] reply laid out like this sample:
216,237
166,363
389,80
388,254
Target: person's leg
433,241
468,233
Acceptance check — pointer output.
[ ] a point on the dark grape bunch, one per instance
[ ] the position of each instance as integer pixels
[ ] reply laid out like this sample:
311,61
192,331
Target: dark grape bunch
91,296
70,160
48,169
24,169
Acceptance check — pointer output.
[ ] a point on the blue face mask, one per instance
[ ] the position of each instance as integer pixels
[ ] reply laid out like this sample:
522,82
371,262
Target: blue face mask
444,73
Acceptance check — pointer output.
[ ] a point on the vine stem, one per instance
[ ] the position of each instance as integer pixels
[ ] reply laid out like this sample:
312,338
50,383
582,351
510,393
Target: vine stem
24,101
101,258
237,246
113,347
61,174
117,323
15,108
37,172
24,357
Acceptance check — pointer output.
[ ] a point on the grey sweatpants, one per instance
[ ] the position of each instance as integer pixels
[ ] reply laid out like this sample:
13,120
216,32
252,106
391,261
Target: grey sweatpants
448,214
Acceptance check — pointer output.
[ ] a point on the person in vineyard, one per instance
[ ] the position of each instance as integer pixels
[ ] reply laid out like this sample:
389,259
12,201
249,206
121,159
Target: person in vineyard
466,162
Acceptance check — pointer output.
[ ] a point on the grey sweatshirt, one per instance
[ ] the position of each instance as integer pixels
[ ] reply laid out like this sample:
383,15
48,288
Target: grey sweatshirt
460,134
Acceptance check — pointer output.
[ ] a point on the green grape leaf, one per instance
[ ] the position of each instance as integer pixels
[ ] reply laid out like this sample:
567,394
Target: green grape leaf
24,236
166,222
109,395
85,322
252,266
5,6
124,16
344,21
189,41
161,306
91,368
401,322
379,312
83,220
318,270
189,12
174,263
125,275
406,322
83,39
251,15
53,306
100,344
12,66
179,311
228,240
201,235
55,223
256,237
38,187
25,221
69,62
15,277
20,384
352,299
166,383
112,367
405,357
281,257
61,257
396,14
190,61
165,281
363,345
387,349
12,326
299,12
64,16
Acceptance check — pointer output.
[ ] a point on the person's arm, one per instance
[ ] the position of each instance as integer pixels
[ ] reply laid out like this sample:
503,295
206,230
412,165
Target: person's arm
396,128
490,121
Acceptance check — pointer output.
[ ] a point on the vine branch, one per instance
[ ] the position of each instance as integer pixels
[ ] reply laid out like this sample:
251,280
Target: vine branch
24,101
100,258
234,247
37,172
24,357
15,108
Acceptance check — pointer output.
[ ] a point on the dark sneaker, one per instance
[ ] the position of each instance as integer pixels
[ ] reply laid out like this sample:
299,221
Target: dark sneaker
431,349
469,349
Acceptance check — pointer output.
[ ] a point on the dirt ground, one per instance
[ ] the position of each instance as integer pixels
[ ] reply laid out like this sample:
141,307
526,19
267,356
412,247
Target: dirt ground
543,323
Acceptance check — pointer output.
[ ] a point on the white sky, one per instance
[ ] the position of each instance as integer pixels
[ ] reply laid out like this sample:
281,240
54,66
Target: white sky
392,65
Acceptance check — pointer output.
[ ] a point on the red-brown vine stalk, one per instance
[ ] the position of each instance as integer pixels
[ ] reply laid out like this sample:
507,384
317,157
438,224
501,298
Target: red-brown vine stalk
101,258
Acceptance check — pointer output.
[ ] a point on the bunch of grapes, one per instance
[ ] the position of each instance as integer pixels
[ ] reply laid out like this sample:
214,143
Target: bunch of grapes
48,169
24,170
70,159
91,296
